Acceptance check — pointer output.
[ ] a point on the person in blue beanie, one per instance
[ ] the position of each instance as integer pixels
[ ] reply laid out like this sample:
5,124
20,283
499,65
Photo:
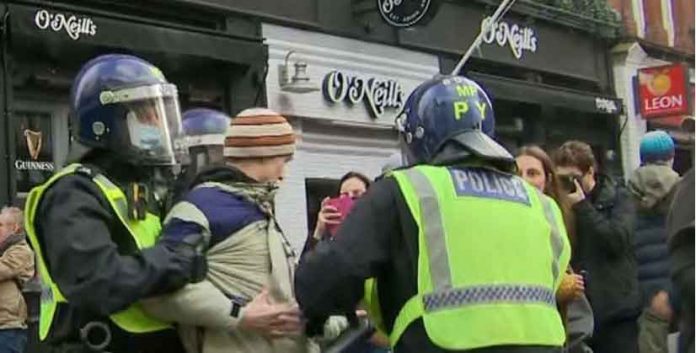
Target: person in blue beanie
652,186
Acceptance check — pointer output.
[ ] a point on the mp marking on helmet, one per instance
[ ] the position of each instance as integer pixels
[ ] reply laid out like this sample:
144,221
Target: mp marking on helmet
484,183
466,91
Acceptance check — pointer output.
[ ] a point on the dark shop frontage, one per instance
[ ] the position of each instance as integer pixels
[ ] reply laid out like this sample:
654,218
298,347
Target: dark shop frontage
547,69
44,45
549,82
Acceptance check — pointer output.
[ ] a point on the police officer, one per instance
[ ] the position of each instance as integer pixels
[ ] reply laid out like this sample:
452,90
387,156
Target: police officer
466,256
205,131
95,223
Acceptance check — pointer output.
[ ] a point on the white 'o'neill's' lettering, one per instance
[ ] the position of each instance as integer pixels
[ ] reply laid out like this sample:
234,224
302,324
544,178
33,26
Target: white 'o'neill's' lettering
378,95
72,25
517,38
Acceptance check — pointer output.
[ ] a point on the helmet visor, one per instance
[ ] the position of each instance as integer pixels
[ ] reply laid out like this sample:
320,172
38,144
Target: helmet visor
154,123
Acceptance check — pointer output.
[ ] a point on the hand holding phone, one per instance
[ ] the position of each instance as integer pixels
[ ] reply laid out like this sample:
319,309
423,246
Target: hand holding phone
568,183
342,204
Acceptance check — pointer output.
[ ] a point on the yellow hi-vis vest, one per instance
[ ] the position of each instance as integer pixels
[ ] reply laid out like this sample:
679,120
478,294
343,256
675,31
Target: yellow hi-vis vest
144,234
492,253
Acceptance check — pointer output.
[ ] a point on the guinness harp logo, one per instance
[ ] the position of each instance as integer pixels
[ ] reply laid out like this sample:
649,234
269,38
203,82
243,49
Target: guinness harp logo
34,142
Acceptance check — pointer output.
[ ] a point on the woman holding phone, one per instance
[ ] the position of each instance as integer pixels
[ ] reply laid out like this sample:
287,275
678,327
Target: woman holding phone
333,210
537,168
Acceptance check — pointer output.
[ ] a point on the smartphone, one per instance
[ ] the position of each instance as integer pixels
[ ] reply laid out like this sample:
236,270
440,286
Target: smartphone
568,183
343,204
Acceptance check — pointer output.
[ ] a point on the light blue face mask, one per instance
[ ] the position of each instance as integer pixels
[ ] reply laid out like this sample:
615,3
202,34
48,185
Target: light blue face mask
149,137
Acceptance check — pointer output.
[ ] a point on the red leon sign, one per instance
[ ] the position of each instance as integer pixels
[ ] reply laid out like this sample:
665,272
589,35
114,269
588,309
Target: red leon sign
663,91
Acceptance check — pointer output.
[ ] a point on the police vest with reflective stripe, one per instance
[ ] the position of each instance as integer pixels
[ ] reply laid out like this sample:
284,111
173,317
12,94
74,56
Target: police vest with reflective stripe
492,254
144,234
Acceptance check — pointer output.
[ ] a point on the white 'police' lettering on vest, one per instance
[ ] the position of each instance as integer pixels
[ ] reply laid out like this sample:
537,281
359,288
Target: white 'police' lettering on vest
489,184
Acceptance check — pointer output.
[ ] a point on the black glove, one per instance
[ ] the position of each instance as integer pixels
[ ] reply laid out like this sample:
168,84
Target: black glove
190,250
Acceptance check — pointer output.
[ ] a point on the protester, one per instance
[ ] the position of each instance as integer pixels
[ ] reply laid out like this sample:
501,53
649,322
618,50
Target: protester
537,168
651,186
16,268
680,229
353,185
464,254
604,216
246,303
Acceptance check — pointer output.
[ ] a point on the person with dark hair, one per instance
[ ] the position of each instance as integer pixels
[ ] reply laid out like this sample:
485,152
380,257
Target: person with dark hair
537,168
353,185
652,187
604,217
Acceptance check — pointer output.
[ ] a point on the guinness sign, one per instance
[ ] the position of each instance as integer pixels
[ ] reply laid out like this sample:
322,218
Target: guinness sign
34,157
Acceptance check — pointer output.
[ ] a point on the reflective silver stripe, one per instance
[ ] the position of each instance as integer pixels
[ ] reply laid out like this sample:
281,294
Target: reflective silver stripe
121,203
556,240
431,219
489,294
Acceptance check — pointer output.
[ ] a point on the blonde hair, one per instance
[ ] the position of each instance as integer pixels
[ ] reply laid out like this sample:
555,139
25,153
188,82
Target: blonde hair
16,215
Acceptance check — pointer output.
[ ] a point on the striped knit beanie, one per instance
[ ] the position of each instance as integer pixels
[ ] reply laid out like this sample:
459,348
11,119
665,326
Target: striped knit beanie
259,132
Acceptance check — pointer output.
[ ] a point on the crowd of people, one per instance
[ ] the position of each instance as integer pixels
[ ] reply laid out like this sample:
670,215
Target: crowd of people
458,246
619,239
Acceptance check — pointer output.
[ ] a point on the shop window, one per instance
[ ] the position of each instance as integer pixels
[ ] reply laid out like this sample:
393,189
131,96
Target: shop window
34,154
41,144
316,190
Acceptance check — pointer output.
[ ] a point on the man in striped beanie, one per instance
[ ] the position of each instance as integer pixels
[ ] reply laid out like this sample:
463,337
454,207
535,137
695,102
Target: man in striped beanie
246,303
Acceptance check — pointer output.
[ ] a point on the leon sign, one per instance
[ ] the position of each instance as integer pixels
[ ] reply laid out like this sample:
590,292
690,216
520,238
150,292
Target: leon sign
662,91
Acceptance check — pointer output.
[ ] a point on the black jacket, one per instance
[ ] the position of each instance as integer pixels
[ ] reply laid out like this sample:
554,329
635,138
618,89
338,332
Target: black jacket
680,227
94,261
652,255
604,231
378,239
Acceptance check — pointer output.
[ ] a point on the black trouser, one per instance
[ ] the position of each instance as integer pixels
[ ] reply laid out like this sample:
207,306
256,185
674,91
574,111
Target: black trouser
616,337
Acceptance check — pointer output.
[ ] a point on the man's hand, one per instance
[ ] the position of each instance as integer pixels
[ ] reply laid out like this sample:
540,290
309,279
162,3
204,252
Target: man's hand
270,319
577,196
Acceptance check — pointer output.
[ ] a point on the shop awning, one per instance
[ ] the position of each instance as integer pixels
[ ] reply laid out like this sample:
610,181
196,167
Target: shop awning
530,92
51,26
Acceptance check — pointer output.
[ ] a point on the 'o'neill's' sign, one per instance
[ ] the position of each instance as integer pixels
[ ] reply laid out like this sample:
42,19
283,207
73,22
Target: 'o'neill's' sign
512,35
378,95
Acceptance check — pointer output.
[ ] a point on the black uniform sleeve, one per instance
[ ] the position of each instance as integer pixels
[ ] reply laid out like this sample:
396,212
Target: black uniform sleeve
613,232
330,280
680,228
75,225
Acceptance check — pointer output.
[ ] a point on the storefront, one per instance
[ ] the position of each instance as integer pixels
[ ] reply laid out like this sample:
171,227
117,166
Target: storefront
44,46
549,82
659,83
344,118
